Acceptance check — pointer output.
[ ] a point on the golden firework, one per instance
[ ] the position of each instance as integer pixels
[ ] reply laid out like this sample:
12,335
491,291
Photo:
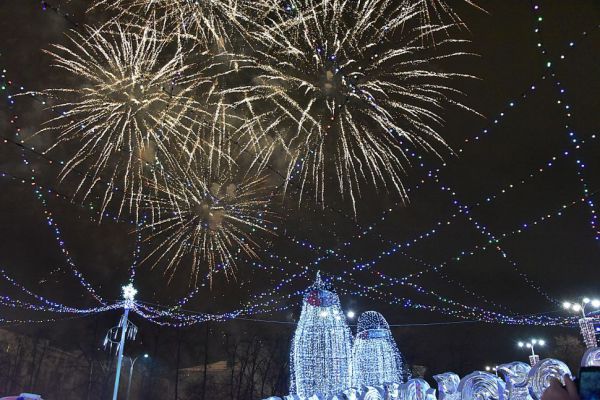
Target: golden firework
347,90
212,217
136,107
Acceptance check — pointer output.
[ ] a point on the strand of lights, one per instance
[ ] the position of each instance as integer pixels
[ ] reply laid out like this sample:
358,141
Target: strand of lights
567,112
54,227
486,233
522,227
321,334
20,144
468,313
376,359
61,244
330,253
501,114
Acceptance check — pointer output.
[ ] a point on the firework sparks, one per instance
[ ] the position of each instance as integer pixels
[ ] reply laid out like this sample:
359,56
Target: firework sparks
211,217
139,105
207,22
349,88
438,12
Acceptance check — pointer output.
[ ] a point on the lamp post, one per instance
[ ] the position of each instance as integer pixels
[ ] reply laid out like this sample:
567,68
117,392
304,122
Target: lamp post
533,358
586,324
131,365
490,369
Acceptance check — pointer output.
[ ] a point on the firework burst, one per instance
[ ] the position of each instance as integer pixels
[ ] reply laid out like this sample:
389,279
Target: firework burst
207,22
347,89
212,217
138,106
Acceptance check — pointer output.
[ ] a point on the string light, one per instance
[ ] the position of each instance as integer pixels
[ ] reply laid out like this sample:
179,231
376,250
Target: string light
376,359
320,358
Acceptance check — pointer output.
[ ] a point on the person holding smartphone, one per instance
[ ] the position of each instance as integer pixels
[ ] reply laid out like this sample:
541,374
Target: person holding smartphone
587,388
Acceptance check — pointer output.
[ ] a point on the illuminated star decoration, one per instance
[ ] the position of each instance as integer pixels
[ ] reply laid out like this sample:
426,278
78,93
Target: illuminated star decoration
129,292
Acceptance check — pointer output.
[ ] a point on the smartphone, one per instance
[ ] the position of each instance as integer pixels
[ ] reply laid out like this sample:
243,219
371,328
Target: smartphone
589,383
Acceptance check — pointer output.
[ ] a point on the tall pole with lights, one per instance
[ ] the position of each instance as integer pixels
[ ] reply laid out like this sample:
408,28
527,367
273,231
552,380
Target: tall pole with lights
127,330
586,324
533,358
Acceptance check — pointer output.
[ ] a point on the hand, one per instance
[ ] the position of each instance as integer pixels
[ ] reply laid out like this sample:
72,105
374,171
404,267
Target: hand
557,392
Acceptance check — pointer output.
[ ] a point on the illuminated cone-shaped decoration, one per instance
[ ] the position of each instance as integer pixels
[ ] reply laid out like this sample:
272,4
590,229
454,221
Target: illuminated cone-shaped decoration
588,333
320,358
375,356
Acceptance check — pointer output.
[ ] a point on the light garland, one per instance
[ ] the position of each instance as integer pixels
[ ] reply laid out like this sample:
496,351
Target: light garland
320,358
376,359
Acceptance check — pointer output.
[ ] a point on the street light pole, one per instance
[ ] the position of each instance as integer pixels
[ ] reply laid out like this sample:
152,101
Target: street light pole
533,358
586,324
132,363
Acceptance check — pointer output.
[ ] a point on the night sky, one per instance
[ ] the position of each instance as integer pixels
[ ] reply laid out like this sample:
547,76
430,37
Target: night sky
559,255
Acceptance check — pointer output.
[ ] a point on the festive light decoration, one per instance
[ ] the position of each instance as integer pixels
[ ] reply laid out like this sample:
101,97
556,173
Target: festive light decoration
586,324
416,388
542,372
567,111
320,358
520,379
481,385
448,386
365,292
516,375
376,359
591,358
336,89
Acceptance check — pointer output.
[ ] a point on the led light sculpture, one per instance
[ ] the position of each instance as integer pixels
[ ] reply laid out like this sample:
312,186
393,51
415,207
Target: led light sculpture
414,389
586,325
448,385
480,385
539,376
516,375
375,356
591,358
320,358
